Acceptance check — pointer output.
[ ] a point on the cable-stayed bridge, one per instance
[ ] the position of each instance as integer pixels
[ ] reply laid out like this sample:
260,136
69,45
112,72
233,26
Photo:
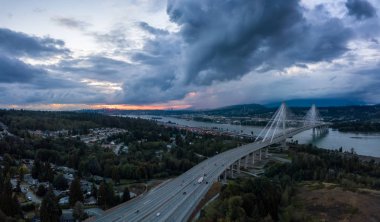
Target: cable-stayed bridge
176,199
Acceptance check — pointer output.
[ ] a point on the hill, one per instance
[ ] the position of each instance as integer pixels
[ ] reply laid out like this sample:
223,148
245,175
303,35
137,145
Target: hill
319,102
239,110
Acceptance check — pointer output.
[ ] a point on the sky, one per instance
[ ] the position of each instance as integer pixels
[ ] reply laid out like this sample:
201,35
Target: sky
179,54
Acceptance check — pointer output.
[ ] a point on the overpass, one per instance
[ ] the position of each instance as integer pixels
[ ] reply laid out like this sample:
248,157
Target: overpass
177,199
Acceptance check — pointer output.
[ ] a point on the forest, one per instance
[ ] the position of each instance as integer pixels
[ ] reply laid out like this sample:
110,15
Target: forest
148,155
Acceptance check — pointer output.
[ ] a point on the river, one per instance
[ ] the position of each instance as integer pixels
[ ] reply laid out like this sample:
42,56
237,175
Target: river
367,144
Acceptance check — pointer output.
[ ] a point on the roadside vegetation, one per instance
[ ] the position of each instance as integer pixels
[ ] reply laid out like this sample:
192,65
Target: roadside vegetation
281,195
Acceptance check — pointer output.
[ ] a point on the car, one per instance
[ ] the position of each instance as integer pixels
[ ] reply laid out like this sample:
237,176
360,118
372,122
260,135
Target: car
184,193
158,214
206,182
29,198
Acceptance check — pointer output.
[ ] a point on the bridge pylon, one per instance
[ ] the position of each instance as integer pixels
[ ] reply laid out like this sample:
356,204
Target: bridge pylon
277,125
313,117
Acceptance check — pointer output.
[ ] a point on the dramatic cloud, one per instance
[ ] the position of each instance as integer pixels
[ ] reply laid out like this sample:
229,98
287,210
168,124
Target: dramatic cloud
20,44
246,36
95,66
200,53
361,9
13,70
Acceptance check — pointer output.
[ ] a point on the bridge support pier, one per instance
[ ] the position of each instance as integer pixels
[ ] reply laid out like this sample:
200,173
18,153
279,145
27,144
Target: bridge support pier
246,161
266,152
238,166
253,158
225,176
232,170
283,145
320,130
260,154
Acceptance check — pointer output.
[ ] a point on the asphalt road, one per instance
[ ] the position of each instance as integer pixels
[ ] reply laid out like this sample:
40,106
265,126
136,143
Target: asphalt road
175,200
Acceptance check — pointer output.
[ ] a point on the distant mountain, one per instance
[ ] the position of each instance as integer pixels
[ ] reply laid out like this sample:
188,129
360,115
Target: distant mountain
299,106
238,110
138,112
319,102
235,110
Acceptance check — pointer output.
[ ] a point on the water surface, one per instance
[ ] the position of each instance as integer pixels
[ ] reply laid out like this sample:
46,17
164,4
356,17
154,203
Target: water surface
363,143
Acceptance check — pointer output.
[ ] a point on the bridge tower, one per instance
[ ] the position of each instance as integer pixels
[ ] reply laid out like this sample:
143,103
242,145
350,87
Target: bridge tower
277,125
312,118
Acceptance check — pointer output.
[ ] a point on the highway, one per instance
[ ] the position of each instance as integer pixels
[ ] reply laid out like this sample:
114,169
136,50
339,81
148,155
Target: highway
176,199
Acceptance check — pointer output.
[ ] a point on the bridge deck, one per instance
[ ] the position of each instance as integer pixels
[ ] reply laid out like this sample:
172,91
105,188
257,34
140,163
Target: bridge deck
175,200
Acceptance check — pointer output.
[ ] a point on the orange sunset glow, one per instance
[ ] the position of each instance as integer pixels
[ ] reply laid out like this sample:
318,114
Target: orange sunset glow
99,106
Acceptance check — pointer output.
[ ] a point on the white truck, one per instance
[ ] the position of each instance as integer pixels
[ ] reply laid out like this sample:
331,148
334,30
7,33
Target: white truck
200,180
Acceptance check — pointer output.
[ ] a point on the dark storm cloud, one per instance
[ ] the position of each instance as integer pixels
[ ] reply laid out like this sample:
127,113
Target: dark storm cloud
71,23
15,71
361,9
152,89
225,40
157,78
20,44
95,67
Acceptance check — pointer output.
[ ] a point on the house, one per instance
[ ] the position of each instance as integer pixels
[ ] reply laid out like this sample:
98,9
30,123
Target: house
90,201
69,177
57,192
29,179
97,179
63,201
85,186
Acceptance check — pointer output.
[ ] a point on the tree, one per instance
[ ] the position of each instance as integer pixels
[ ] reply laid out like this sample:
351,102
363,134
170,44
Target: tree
110,196
18,187
50,210
60,182
94,191
7,204
36,169
235,212
102,192
106,195
16,206
48,173
3,217
93,166
41,190
116,174
75,192
78,211
22,171
126,194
